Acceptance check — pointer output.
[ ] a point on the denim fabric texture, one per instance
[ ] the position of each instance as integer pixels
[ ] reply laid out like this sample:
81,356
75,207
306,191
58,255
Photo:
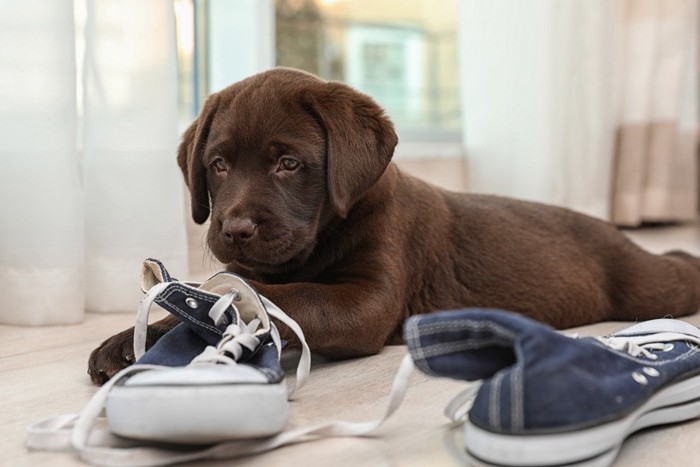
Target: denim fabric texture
537,380
176,348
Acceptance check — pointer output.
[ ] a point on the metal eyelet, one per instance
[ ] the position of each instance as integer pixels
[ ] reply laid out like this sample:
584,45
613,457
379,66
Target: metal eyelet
236,295
191,302
651,371
640,378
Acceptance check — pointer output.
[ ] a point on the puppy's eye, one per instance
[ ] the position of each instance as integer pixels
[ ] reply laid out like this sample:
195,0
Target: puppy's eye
289,164
219,164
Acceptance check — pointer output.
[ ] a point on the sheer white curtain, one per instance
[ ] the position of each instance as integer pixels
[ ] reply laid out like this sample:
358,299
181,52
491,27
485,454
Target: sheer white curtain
77,224
133,189
547,85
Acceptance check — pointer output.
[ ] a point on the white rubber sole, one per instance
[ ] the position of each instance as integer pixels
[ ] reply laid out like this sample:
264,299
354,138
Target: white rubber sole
596,445
197,414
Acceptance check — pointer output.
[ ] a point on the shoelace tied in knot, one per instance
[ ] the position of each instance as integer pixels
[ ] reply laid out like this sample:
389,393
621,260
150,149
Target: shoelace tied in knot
236,337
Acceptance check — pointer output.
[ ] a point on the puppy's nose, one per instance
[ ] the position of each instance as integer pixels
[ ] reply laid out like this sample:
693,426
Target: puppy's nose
238,230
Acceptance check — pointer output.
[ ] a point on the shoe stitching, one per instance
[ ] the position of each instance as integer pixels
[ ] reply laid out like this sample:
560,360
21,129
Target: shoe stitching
421,353
460,325
413,334
516,402
192,291
183,314
494,405
443,348
463,325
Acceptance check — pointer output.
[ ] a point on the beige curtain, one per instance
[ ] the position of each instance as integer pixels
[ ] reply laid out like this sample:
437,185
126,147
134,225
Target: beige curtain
656,173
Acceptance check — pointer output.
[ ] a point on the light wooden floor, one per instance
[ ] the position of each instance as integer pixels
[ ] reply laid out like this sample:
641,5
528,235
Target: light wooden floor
43,372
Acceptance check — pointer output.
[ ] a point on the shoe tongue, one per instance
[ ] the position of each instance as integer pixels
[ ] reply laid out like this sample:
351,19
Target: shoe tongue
247,306
153,273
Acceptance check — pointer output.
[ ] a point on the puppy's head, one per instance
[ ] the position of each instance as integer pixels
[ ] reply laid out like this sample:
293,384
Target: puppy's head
274,157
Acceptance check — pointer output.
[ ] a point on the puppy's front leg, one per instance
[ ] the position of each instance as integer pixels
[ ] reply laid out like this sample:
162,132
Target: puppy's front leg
117,352
338,320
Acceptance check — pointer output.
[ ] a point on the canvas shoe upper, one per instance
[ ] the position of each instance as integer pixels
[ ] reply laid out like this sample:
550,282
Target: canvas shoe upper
550,399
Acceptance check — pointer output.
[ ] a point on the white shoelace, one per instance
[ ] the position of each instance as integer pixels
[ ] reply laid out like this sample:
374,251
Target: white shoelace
141,325
236,337
457,410
98,446
632,348
643,344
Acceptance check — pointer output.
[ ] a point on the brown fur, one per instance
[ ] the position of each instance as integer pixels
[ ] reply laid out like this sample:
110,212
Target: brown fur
349,246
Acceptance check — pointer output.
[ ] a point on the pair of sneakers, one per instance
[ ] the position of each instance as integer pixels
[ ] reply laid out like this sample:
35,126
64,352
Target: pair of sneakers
544,398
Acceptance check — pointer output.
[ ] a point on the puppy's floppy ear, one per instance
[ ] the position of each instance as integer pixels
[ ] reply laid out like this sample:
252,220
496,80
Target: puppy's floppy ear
190,156
360,138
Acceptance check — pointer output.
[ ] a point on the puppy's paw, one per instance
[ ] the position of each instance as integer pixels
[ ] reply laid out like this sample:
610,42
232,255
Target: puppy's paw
112,355
117,352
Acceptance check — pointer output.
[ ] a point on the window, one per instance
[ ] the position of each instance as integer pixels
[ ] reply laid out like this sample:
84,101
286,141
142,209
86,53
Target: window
401,52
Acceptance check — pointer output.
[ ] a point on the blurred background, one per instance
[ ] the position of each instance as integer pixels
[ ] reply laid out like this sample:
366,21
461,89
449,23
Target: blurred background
591,105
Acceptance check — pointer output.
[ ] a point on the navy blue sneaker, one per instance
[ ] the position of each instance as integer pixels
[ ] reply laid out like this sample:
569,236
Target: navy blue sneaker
214,378
226,381
551,399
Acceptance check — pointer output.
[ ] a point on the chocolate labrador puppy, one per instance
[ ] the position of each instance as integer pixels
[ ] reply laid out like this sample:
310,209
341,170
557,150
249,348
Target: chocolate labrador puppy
296,177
